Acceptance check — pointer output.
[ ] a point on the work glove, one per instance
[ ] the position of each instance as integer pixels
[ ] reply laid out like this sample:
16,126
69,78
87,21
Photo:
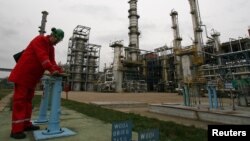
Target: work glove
55,73
59,69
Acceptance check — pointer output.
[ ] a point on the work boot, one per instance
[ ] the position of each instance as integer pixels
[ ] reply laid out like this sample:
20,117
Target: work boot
32,128
18,135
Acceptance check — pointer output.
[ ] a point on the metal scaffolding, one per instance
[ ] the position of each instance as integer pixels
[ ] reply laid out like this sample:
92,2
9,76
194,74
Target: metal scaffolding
83,60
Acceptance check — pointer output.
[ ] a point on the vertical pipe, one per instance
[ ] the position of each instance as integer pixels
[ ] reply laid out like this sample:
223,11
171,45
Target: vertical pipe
54,120
165,70
215,100
249,31
240,43
210,97
186,96
42,116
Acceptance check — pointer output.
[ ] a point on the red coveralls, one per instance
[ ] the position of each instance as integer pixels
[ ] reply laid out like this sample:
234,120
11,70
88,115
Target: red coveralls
37,57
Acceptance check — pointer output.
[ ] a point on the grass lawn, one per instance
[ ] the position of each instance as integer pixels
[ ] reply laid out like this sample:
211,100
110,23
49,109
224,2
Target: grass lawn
169,131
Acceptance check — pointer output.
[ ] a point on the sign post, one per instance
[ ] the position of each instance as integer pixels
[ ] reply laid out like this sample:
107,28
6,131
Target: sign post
149,135
122,131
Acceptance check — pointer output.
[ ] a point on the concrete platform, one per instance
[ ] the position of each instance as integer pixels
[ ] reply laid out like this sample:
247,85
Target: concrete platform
86,128
226,116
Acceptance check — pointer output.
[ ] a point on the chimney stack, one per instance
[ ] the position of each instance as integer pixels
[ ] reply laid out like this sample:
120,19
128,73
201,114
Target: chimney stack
43,23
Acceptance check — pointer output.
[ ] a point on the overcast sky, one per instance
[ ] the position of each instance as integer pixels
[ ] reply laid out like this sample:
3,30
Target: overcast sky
108,20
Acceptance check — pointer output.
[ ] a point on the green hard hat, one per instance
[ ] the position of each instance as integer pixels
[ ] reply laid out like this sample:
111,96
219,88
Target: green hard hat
58,33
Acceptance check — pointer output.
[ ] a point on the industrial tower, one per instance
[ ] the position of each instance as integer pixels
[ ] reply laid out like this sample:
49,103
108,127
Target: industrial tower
127,69
133,31
43,22
131,62
177,46
83,60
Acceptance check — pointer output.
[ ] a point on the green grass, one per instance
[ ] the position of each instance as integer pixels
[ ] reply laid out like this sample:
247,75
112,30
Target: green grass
169,131
4,92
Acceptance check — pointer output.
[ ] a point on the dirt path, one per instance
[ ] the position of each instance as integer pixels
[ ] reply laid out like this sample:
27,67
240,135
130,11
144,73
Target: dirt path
149,98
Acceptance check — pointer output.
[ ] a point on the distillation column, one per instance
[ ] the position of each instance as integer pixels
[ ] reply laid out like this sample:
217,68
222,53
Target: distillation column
43,23
92,64
133,30
77,57
197,56
217,44
196,20
78,67
117,66
177,46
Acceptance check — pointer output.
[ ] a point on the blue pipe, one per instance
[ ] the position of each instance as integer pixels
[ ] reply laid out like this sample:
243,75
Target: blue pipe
186,96
54,120
212,95
42,117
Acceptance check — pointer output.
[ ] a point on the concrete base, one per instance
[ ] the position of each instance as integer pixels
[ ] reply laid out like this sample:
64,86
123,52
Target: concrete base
40,135
203,113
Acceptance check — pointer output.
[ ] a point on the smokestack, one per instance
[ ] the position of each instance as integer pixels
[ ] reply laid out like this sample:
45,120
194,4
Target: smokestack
133,28
43,23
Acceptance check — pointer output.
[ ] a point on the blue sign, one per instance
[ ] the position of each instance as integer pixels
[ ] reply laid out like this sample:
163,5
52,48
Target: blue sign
122,131
229,86
149,135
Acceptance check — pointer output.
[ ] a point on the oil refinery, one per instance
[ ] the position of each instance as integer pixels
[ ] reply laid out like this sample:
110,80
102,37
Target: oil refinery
202,67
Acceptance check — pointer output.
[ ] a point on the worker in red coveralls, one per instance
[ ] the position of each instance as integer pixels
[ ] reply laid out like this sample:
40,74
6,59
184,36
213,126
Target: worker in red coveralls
36,58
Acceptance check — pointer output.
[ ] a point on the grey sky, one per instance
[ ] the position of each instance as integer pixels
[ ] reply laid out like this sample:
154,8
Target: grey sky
108,19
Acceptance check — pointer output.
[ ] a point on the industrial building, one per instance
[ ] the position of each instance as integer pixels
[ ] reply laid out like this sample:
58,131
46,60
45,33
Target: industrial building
200,68
83,59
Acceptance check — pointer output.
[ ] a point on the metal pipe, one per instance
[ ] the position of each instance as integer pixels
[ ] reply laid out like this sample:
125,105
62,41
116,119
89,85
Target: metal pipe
236,52
230,43
240,42
206,32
